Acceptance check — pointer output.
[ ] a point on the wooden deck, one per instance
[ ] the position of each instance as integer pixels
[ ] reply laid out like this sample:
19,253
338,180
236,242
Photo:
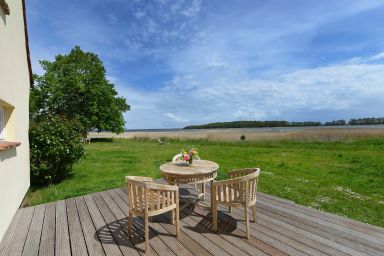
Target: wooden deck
96,224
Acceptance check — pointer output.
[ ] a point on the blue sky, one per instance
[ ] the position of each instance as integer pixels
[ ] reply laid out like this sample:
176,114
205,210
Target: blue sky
193,62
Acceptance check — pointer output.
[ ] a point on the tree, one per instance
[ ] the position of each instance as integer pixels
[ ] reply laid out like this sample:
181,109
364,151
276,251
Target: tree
75,86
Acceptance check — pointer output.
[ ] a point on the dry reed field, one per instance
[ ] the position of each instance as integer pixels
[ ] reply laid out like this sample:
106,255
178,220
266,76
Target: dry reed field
313,134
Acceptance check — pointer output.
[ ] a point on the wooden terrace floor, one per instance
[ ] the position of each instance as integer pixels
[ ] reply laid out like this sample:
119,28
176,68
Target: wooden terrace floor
96,224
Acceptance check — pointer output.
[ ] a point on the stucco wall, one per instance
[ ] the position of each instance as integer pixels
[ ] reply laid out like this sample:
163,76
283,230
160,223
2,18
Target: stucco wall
14,93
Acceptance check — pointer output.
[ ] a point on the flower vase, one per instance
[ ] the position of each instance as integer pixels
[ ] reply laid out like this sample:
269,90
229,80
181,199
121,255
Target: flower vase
190,160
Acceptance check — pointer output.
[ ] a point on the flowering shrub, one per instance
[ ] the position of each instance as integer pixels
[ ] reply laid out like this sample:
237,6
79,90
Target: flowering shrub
55,145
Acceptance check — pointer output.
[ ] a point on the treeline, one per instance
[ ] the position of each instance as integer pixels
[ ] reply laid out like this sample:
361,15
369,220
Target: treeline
252,124
261,124
357,121
366,121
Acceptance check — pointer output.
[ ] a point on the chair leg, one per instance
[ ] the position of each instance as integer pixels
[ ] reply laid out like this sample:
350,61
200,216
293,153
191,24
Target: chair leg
129,224
203,190
247,221
230,209
177,222
214,215
173,216
146,230
254,212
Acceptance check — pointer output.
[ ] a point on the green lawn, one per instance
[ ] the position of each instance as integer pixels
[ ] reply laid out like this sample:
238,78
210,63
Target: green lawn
346,178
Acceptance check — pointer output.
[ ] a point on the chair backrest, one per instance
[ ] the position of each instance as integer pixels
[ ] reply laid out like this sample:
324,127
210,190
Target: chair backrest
240,188
146,196
176,157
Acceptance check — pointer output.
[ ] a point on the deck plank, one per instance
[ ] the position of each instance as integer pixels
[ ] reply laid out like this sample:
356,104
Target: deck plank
120,224
93,243
21,232
112,223
47,243
236,237
361,229
102,231
32,244
319,230
7,239
62,242
193,224
370,241
78,246
333,218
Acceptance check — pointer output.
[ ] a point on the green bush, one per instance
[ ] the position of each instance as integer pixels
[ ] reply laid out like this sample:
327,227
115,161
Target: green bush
55,145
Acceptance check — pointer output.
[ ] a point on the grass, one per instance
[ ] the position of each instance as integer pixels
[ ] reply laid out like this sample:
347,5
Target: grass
345,178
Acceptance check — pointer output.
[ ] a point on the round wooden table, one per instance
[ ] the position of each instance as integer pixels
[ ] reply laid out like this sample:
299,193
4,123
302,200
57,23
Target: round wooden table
180,172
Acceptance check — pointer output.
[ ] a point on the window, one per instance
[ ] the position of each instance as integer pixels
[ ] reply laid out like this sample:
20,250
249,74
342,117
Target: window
2,123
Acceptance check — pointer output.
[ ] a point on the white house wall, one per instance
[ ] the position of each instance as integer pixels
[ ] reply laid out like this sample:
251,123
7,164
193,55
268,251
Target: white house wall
14,96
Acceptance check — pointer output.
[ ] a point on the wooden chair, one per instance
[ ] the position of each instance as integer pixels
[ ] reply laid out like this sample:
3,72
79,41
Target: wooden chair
147,199
238,191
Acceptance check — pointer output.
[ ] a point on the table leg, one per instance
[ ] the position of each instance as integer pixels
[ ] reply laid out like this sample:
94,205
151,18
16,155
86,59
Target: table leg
203,190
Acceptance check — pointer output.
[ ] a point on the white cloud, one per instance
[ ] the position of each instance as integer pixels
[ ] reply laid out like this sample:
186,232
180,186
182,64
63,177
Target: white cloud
176,118
331,89
139,14
192,10
378,56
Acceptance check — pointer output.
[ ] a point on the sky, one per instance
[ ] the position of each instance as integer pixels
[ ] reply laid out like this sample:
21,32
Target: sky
183,62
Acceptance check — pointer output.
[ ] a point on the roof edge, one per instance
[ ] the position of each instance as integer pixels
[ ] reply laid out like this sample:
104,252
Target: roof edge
27,45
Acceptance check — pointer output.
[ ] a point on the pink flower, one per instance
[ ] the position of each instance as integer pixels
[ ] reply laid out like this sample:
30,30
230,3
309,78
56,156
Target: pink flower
186,157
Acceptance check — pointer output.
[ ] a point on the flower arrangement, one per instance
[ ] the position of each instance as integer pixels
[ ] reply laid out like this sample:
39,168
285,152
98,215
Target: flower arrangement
188,154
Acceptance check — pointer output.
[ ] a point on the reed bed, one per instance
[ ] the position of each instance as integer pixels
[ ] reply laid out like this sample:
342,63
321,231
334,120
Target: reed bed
316,134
